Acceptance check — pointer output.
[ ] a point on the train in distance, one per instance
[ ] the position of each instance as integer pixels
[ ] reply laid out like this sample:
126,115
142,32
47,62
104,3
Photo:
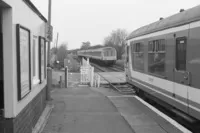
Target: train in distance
106,56
163,62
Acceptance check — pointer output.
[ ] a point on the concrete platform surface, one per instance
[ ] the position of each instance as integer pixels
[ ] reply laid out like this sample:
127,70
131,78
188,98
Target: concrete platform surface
112,77
140,117
82,110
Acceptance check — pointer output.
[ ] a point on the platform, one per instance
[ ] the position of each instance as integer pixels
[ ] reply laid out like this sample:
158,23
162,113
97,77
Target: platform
84,109
112,77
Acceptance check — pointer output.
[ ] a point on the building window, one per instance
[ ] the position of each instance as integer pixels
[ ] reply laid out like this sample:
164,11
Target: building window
181,54
35,61
42,52
156,57
137,56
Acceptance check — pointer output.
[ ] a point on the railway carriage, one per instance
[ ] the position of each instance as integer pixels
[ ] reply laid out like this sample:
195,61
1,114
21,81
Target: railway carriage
163,62
104,56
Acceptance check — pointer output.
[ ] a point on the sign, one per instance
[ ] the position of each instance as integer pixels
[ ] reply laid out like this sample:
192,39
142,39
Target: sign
49,32
23,61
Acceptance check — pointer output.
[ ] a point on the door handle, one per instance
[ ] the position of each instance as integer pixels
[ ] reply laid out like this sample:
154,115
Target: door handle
185,77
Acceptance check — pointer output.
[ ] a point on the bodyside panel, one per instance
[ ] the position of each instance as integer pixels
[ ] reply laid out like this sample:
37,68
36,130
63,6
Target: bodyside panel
193,66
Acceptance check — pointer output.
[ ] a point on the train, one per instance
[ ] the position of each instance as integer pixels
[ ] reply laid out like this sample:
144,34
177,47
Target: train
163,62
106,56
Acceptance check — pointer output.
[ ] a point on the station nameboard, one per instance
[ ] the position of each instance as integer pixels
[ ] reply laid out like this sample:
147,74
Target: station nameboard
49,32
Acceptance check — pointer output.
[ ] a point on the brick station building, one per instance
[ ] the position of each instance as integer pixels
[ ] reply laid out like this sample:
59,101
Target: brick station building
22,66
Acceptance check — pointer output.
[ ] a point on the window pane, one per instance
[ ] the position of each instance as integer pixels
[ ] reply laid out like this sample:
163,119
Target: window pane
181,54
138,57
150,46
132,54
105,53
127,53
156,60
157,63
138,61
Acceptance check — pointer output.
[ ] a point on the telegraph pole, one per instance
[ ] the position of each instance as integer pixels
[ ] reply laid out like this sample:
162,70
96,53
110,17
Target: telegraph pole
49,42
57,43
49,70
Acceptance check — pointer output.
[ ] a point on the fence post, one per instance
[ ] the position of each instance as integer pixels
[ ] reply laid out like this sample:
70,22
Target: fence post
99,81
49,83
60,81
88,61
91,76
66,77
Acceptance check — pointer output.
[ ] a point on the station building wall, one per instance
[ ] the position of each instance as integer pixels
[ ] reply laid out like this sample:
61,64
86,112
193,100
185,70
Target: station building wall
20,116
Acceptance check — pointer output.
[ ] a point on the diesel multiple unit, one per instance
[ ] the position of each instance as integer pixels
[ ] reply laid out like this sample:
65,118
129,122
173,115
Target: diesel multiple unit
105,56
163,61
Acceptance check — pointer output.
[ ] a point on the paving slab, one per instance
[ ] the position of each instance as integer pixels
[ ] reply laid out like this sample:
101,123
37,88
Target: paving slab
148,129
82,110
139,117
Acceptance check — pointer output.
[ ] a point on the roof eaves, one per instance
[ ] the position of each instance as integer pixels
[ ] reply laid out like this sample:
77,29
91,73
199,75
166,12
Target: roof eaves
33,7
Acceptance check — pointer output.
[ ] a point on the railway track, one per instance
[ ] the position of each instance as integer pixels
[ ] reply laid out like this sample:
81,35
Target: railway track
113,68
118,67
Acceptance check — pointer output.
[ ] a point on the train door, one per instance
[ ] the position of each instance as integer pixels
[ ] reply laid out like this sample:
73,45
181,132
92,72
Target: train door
1,68
125,60
181,75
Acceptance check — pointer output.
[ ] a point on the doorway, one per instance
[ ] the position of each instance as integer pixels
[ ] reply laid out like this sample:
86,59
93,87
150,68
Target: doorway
1,68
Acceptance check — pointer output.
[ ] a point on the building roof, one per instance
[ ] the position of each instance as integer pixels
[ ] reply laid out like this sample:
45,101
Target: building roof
178,19
33,7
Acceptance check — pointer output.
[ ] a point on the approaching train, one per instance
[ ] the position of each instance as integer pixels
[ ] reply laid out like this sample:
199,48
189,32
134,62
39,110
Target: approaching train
104,56
163,62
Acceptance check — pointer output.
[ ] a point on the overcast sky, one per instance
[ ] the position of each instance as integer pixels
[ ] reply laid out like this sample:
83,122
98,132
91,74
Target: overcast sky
77,21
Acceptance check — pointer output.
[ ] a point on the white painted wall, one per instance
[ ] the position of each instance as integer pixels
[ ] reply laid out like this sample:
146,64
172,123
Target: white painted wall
19,13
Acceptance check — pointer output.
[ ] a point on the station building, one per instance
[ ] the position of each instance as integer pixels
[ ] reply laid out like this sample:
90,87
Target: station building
22,66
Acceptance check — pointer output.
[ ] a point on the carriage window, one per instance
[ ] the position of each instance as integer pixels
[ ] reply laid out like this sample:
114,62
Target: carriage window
156,57
137,51
181,54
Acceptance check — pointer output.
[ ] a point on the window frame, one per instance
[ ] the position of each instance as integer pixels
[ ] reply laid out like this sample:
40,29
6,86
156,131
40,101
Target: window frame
137,49
155,50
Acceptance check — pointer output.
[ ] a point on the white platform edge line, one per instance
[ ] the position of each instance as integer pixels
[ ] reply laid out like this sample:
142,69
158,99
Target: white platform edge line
173,122
124,96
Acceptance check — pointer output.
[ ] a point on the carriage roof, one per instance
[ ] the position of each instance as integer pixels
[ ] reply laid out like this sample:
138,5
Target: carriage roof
178,19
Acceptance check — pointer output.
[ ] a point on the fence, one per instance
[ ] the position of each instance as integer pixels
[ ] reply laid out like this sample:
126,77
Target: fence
87,74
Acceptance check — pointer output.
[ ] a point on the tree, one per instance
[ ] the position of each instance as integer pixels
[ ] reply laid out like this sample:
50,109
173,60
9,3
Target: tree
53,50
117,39
85,45
53,56
62,53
